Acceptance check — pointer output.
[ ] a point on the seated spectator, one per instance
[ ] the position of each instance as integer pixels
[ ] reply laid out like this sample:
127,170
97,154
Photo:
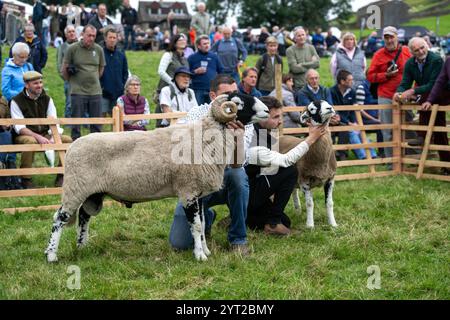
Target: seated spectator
33,102
343,94
248,84
290,119
313,90
133,103
178,96
332,42
266,67
15,67
318,41
38,54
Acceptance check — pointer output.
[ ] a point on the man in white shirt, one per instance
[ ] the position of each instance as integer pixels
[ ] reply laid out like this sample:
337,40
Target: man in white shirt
177,96
33,102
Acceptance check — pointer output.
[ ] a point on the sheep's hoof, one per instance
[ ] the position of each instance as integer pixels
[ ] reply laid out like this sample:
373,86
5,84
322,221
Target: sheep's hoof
334,225
51,257
310,226
206,251
200,256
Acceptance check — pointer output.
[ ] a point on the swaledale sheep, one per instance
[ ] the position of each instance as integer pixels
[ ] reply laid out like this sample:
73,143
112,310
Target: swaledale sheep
318,166
143,165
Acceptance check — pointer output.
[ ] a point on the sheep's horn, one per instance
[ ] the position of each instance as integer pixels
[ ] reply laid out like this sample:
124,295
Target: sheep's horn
224,110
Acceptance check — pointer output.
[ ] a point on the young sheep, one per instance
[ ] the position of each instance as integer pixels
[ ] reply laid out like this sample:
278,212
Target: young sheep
318,166
141,166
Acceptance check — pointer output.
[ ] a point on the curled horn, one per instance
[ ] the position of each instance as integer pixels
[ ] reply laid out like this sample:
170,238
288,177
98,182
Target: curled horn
223,110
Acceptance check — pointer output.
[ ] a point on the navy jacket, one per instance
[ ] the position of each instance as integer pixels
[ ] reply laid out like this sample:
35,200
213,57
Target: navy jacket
38,53
348,99
115,74
202,81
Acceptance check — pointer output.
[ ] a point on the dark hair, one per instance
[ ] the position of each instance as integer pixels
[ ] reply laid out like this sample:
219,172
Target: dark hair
200,38
286,77
220,79
342,75
108,30
172,45
246,71
271,102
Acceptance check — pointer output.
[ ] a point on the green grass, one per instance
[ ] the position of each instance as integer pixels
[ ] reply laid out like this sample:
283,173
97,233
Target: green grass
430,24
398,223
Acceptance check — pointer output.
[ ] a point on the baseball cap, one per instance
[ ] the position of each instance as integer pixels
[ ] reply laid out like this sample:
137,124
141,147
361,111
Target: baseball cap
392,31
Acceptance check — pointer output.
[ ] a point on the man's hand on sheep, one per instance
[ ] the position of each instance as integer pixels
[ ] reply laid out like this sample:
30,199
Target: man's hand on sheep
315,132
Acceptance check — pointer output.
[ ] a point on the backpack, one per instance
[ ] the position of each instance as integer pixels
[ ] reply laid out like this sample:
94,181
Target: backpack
172,95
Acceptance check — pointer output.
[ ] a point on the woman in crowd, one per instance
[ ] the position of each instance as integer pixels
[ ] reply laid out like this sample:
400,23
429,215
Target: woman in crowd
290,119
133,103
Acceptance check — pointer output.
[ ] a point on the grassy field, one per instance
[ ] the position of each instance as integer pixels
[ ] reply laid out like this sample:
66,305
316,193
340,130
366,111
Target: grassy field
398,224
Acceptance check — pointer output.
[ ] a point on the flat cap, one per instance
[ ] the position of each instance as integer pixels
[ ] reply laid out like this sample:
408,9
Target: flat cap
392,31
31,76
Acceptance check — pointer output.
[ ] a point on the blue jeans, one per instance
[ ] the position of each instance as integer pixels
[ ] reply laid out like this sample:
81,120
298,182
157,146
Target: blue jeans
68,108
355,138
6,139
202,96
234,194
129,32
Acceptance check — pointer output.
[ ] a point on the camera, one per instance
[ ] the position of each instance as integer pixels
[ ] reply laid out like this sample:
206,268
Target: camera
72,70
392,66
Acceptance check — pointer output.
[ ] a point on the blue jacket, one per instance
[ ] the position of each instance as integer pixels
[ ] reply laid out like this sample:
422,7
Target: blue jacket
254,93
38,53
12,78
347,100
303,96
230,52
115,74
202,81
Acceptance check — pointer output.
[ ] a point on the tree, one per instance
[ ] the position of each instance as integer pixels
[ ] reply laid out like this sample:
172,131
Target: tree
220,9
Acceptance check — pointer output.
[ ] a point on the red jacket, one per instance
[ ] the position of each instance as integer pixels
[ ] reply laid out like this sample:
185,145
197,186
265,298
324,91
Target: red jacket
378,67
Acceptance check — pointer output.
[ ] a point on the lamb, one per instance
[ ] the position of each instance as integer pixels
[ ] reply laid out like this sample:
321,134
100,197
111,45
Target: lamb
318,166
142,166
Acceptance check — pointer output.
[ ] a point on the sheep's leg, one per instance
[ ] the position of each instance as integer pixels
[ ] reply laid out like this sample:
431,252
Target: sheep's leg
309,205
193,214
60,219
328,188
83,228
203,237
296,199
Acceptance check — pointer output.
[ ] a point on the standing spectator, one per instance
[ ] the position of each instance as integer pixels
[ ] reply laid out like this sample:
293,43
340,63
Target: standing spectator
83,66
331,42
248,84
441,94
178,97
100,21
71,37
351,58
386,70
39,12
133,103
129,20
33,102
115,73
249,40
313,90
54,21
38,53
261,45
301,58
159,36
422,70
45,31
231,52
290,119
62,19
205,66
318,41
93,13
201,21
236,34
218,35
15,67
266,67
84,15
279,35
372,44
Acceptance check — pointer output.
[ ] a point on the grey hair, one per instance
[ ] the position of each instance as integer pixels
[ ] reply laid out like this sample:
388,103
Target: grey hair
129,80
311,71
20,47
66,29
414,39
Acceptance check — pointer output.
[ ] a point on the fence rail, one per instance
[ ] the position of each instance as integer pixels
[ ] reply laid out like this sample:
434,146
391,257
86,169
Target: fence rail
399,160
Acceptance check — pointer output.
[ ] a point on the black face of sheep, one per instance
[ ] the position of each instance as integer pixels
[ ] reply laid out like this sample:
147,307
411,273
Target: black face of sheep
318,112
250,109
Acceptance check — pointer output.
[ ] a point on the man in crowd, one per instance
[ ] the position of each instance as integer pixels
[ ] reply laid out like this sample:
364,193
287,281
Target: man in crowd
38,17
205,66
33,102
386,70
231,52
422,70
248,84
100,21
83,66
313,90
71,37
201,21
38,53
301,58
115,73
129,20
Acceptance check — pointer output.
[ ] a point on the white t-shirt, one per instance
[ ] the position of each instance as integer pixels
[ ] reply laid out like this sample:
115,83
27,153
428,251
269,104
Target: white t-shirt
180,102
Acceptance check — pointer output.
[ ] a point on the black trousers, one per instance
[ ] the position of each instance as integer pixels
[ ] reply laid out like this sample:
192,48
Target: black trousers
261,210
